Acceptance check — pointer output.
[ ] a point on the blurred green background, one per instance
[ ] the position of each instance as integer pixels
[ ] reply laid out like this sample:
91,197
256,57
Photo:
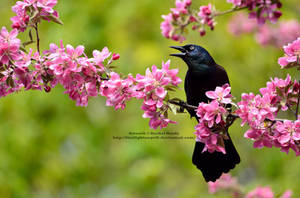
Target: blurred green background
51,148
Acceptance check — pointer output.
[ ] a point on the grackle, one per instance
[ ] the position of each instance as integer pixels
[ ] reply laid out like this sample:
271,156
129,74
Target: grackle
205,75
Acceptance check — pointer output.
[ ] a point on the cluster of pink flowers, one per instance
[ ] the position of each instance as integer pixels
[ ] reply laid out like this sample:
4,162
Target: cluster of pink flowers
212,119
9,53
266,192
174,20
260,111
261,10
269,35
174,23
9,46
292,55
225,182
152,88
118,90
287,135
206,18
229,184
30,12
84,77
266,34
240,24
80,76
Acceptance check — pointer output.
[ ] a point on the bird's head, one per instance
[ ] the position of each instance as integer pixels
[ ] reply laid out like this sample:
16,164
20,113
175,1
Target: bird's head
193,55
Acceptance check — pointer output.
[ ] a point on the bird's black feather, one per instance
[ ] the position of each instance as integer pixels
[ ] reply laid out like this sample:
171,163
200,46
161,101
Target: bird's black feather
205,75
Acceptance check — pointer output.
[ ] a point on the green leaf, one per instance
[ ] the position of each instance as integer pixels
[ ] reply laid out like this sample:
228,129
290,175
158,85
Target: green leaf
167,98
278,91
30,35
55,20
112,67
35,13
173,108
23,49
10,82
288,87
166,114
176,99
28,43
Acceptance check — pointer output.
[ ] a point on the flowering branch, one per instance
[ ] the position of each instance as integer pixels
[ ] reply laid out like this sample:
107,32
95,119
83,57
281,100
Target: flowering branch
230,185
175,23
83,77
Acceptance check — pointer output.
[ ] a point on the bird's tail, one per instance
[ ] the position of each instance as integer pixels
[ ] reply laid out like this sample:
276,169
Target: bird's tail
212,165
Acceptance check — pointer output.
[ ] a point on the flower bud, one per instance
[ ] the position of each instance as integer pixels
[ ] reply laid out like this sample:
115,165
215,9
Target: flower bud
115,56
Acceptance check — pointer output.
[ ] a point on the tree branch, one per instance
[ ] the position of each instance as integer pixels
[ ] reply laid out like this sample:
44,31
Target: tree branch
230,118
182,104
37,37
229,11
297,107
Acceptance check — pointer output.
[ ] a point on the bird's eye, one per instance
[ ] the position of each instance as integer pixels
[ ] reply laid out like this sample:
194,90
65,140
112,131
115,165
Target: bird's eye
192,48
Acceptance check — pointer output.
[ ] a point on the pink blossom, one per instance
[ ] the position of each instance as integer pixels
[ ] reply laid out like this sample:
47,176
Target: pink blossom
266,34
225,182
288,135
173,21
229,184
166,26
152,89
181,7
24,77
287,194
222,94
206,17
25,59
235,2
260,111
210,139
20,22
115,56
255,109
100,57
5,88
270,35
79,75
261,10
292,53
168,30
266,11
240,24
261,192
33,10
210,115
46,5
9,46
117,90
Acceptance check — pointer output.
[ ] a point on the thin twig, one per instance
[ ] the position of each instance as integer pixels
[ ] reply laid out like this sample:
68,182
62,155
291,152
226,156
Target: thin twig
37,37
228,11
297,107
290,108
103,78
183,104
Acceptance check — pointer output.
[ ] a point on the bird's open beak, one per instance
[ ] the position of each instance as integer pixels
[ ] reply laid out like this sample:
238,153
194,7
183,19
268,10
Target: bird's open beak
180,48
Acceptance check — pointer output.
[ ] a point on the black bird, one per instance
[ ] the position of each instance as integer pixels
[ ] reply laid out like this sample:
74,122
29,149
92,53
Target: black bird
203,75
